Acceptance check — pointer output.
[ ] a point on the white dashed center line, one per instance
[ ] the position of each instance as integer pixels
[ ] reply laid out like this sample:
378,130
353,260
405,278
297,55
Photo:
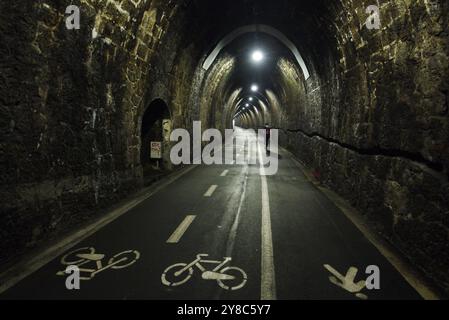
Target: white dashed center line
179,232
224,173
211,191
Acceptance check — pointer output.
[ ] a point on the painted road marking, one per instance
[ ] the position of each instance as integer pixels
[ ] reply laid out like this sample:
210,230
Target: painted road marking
211,191
182,228
91,263
224,173
347,282
419,283
268,282
228,278
46,256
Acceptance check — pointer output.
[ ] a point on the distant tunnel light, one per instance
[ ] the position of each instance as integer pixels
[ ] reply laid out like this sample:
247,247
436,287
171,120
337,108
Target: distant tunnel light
251,99
257,56
254,88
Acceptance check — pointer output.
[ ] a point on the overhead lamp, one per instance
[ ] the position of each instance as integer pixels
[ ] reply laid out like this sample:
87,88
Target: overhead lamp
257,56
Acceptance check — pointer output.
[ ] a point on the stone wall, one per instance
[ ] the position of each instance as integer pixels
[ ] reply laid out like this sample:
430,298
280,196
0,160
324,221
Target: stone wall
372,120
374,123
71,105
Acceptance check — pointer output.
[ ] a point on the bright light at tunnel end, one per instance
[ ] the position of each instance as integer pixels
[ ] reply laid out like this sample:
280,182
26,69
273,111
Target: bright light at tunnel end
260,148
254,88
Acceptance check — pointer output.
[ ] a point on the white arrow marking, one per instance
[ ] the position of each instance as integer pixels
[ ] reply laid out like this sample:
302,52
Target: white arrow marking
346,282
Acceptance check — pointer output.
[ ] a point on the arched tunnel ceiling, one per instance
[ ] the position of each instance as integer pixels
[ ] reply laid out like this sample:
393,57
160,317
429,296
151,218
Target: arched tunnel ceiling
269,75
372,119
257,28
299,27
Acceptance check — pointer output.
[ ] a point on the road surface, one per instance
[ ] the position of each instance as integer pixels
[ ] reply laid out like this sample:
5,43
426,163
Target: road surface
280,232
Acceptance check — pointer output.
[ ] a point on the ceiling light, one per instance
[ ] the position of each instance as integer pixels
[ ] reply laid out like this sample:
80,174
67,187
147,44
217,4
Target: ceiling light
257,56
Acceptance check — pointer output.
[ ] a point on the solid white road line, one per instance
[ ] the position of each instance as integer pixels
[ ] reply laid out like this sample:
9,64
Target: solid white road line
224,173
268,281
211,191
179,232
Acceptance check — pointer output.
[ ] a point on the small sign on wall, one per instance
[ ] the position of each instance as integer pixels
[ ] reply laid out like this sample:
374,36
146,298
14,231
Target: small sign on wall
156,149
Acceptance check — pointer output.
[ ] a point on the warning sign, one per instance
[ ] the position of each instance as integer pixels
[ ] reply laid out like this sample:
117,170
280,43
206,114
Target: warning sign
156,150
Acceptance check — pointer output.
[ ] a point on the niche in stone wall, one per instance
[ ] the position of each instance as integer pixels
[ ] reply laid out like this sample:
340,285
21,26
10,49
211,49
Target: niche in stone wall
156,128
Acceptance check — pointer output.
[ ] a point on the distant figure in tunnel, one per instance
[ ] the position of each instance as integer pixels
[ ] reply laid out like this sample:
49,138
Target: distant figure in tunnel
267,137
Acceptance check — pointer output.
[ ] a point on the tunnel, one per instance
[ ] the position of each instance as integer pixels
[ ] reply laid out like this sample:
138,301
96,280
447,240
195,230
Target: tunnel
361,112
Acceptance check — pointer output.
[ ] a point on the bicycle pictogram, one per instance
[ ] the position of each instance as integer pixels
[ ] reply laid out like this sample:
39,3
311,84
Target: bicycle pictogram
91,263
228,278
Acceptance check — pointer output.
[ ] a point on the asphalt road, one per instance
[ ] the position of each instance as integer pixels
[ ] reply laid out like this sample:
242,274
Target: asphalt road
280,232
